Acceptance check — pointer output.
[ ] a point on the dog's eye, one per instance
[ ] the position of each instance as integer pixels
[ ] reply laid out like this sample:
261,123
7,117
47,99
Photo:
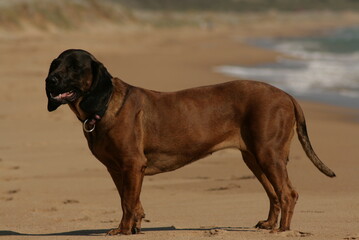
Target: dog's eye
72,68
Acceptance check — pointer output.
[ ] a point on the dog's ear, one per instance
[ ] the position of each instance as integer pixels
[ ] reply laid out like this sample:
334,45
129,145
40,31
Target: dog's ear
51,104
96,99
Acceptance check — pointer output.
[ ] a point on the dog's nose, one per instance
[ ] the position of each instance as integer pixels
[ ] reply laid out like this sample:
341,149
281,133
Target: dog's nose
52,80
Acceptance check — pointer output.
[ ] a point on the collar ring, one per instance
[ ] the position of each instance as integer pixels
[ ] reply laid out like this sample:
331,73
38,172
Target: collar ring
86,129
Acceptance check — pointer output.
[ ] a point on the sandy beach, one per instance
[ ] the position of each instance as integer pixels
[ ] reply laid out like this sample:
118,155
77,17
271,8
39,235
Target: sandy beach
51,187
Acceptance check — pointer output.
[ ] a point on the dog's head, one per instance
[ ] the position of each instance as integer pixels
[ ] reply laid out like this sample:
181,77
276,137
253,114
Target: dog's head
76,75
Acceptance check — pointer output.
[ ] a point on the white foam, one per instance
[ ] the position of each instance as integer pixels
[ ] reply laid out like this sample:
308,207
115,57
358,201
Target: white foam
313,71
308,75
300,50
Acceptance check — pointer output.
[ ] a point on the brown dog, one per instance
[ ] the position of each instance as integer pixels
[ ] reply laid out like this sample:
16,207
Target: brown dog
136,132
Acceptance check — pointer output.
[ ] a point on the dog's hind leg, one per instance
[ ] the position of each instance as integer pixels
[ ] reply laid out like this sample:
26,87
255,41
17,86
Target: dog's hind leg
274,208
273,164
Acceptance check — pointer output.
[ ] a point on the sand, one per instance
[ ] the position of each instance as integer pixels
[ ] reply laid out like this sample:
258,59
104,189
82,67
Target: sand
51,187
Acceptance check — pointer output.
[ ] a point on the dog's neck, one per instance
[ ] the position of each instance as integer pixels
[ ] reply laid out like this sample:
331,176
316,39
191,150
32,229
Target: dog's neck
75,107
119,92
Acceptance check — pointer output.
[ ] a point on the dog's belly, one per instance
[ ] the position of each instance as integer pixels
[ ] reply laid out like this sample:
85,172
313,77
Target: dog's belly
158,162
162,162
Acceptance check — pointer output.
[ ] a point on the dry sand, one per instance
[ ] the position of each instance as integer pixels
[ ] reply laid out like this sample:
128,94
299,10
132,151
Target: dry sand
51,187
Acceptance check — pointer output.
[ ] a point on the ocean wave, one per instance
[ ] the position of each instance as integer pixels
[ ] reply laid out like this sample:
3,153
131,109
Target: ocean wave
326,65
302,76
311,51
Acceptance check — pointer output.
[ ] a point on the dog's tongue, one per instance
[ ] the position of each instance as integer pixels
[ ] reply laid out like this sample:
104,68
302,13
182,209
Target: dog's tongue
63,95
66,94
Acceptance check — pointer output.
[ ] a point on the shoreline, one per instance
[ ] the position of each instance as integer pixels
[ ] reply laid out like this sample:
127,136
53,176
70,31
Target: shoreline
293,62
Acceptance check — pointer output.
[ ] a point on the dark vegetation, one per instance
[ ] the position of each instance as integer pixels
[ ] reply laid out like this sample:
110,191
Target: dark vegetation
70,14
241,5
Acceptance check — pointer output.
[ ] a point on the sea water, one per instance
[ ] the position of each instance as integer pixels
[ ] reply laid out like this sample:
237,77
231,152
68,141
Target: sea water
321,68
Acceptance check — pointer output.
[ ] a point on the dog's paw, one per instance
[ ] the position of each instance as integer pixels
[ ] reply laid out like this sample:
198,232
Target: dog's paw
136,230
265,224
118,231
114,232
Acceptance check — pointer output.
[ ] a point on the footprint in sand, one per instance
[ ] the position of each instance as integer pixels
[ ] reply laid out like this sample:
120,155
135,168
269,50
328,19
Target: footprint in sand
294,233
352,237
13,191
228,187
70,201
10,192
214,232
246,177
51,209
7,199
81,219
110,221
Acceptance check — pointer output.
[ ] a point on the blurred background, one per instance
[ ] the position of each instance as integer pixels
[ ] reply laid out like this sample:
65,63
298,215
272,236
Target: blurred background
318,39
50,184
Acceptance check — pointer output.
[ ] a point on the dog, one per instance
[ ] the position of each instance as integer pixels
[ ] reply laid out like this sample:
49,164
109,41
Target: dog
136,132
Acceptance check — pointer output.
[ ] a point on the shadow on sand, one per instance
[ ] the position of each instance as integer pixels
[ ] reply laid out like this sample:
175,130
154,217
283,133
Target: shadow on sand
99,232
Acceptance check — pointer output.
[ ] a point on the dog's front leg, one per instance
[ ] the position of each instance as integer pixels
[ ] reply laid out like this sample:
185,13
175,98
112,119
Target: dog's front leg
129,182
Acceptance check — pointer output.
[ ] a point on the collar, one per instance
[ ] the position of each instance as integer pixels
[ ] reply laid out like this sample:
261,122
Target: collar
90,123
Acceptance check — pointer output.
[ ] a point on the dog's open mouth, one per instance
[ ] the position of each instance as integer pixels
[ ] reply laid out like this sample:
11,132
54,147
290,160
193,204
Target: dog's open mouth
64,97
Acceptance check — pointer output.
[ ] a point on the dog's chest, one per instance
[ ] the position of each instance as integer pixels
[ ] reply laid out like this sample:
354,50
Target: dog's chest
101,147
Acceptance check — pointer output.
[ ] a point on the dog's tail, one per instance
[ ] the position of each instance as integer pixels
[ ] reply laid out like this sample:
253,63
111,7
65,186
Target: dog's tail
304,140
